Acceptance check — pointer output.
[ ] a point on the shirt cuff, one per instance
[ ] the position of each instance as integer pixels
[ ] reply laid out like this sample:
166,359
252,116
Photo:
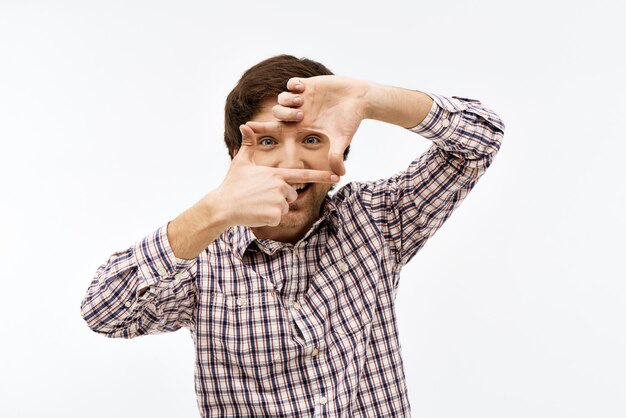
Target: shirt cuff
156,261
443,118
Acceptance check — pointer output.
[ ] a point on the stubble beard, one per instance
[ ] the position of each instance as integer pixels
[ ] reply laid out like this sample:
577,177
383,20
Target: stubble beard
307,211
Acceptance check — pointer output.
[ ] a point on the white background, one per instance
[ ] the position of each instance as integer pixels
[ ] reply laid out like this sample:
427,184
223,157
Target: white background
111,123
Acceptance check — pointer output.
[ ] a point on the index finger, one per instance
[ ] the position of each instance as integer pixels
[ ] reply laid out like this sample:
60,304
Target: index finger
266,127
305,175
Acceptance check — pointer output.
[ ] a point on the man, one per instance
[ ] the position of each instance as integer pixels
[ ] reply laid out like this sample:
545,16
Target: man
288,292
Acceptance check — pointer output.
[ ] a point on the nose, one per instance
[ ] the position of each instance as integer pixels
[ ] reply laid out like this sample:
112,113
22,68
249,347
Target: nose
290,156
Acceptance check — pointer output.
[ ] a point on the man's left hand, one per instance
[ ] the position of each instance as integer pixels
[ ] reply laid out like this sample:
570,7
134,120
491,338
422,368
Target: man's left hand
333,105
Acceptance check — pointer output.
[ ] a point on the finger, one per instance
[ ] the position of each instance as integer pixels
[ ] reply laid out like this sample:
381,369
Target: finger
287,114
245,153
288,191
289,99
303,175
296,84
261,128
292,195
336,164
335,155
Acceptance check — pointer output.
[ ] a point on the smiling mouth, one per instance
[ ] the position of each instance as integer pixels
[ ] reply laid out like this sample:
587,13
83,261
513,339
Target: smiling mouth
304,189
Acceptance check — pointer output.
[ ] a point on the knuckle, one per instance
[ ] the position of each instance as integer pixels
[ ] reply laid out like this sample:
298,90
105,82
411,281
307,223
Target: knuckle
279,184
284,189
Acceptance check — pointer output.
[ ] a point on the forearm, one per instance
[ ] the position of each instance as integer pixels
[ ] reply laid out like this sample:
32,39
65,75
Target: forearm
402,107
461,127
194,229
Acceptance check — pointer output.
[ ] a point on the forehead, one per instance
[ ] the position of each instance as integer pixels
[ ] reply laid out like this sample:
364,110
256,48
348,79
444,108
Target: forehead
265,114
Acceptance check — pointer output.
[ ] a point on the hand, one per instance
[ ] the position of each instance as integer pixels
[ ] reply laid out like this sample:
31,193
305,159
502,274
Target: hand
255,195
329,104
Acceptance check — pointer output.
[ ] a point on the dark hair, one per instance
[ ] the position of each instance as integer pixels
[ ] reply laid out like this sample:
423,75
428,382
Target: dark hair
263,81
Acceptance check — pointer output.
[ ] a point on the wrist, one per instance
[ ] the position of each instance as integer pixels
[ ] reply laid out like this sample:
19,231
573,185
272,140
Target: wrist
372,99
398,106
191,231
214,211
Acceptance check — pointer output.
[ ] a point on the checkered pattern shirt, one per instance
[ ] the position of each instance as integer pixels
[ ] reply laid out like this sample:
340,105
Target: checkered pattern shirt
304,330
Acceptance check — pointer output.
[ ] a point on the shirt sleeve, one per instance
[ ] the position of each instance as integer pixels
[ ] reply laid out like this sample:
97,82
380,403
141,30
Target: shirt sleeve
142,290
413,204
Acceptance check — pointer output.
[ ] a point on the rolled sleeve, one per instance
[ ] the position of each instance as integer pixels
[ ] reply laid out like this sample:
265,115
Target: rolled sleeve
156,262
142,290
412,205
462,127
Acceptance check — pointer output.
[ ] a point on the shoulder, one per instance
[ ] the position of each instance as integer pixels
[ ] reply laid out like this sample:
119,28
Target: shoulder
363,189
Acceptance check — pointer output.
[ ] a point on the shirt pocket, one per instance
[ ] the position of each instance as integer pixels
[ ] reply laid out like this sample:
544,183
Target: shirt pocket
246,332
349,287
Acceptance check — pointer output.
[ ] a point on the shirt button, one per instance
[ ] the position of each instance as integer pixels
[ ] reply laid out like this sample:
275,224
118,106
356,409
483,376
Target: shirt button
445,123
323,400
241,301
161,271
314,352
343,266
128,304
296,306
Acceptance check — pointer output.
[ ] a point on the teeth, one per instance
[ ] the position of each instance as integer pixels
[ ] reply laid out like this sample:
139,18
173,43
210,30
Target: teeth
298,186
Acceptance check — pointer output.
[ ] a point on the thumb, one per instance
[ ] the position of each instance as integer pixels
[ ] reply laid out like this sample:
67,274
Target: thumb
335,155
245,153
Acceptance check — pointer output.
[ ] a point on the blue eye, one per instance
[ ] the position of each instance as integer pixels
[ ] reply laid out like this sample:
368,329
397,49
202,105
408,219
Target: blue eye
312,140
266,141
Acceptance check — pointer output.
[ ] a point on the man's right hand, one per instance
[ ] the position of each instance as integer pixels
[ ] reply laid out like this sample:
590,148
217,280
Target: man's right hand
255,195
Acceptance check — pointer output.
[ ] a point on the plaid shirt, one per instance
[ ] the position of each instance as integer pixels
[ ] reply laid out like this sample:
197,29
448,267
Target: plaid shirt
306,329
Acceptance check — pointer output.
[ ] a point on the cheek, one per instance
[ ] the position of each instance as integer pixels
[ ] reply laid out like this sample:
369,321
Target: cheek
265,159
320,191
320,161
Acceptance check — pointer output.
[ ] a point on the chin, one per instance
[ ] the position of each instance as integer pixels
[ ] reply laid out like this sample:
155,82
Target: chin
292,219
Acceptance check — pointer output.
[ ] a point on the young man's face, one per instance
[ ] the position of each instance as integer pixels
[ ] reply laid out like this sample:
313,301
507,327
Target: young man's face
293,148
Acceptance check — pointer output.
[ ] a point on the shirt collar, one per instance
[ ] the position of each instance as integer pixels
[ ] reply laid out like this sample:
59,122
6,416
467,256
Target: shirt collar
242,237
